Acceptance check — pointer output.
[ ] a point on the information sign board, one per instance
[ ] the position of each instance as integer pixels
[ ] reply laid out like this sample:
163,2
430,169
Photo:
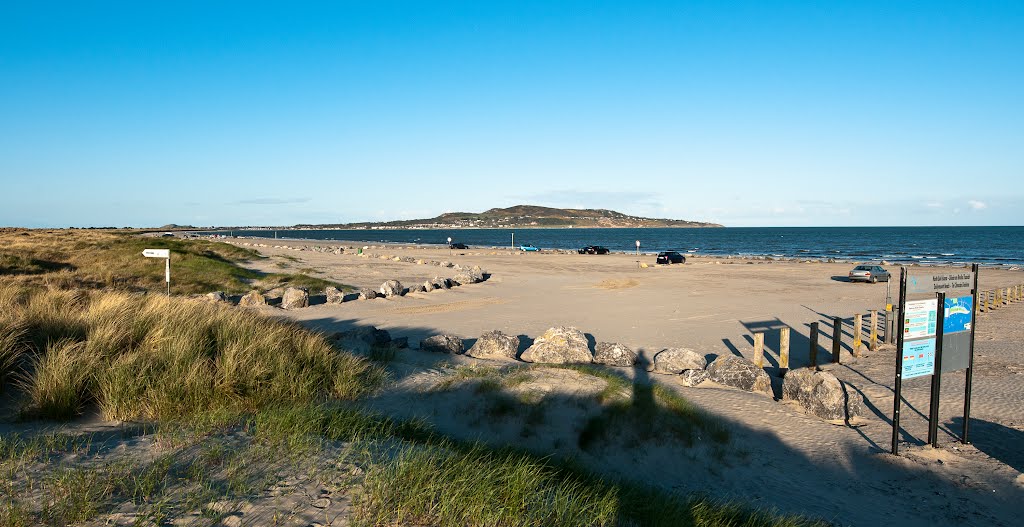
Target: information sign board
957,315
919,319
940,283
918,358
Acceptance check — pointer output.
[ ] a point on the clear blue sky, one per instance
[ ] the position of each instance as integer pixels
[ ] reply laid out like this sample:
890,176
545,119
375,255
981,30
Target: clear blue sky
743,113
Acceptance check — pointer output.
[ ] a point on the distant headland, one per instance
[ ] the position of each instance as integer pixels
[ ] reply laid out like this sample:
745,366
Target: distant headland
521,217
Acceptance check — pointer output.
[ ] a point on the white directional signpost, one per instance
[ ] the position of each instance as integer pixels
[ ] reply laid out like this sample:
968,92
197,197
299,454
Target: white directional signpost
166,255
638,247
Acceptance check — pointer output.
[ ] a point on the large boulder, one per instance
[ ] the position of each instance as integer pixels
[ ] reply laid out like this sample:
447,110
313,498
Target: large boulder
614,354
216,297
440,283
391,288
334,295
559,345
252,298
365,334
467,277
367,294
295,298
429,285
740,373
821,394
416,288
495,344
693,377
442,344
674,361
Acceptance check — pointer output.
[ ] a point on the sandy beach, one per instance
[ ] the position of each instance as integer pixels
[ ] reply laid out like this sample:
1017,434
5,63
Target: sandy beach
784,458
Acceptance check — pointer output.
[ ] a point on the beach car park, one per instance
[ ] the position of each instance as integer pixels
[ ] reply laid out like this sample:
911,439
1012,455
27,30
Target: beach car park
869,273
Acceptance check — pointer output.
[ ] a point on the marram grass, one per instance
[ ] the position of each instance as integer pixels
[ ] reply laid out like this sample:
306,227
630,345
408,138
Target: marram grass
153,357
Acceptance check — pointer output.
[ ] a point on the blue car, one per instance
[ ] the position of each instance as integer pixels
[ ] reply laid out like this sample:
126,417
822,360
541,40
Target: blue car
528,248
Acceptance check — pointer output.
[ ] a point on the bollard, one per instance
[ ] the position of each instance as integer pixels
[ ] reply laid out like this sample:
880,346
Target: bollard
858,320
1006,297
814,345
888,324
783,350
759,350
873,342
990,302
837,338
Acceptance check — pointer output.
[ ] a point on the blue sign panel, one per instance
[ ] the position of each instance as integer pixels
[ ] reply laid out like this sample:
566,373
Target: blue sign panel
918,358
958,315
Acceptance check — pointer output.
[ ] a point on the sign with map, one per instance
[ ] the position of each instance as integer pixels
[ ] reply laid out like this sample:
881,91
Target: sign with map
958,314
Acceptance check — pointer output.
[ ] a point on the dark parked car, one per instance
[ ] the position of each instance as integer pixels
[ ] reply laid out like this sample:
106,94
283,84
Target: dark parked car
869,273
670,257
458,246
593,249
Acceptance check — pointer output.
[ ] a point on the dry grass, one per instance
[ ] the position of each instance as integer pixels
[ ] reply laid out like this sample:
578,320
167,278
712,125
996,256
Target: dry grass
70,259
154,357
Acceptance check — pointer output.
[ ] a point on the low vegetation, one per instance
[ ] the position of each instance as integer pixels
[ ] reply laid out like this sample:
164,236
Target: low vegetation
151,357
90,259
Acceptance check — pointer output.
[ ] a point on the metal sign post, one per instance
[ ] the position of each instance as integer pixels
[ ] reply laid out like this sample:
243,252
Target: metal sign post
898,388
166,255
638,247
513,240
933,406
449,246
969,379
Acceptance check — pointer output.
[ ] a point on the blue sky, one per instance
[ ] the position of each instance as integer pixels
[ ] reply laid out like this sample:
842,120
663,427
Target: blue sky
743,113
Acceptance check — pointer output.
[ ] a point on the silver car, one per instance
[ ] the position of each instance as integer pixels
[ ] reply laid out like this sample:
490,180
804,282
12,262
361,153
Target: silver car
869,273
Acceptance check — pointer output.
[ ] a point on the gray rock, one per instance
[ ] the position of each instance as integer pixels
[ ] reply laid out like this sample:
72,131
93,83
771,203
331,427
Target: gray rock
429,285
367,294
442,344
334,295
295,298
821,394
416,288
740,373
217,297
441,283
366,334
391,288
253,298
693,377
446,264
469,276
559,345
495,344
674,361
614,354
400,342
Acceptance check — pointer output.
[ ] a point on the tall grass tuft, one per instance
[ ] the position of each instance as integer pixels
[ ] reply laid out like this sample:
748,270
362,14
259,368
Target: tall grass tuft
153,357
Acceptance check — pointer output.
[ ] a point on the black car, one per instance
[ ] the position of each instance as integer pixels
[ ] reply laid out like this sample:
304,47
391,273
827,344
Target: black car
593,249
458,246
670,257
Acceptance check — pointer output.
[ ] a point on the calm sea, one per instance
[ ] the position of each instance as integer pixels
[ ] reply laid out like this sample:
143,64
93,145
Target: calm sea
926,245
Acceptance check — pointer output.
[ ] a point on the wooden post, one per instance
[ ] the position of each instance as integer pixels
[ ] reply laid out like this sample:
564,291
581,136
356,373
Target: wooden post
837,338
888,324
1006,297
759,350
858,321
990,302
814,345
783,350
873,343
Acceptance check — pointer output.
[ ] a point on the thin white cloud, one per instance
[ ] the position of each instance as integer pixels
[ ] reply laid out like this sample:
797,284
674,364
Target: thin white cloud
271,201
934,205
977,205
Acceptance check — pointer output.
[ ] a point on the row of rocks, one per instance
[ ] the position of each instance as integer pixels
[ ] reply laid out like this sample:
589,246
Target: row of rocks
819,393
298,297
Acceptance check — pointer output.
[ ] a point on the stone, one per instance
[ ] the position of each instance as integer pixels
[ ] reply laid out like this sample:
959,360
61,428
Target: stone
673,361
614,354
295,298
429,285
469,276
416,288
391,288
446,264
366,334
693,377
334,295
495,344
253,298
441,283
738,372
442,344
400,342
559,345
216,296
822,395
367,294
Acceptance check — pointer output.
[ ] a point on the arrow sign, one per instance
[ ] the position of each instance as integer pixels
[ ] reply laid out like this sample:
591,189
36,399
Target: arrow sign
157,253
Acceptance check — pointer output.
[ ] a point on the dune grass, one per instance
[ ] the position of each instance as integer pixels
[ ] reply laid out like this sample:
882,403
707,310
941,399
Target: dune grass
152,357
70,259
